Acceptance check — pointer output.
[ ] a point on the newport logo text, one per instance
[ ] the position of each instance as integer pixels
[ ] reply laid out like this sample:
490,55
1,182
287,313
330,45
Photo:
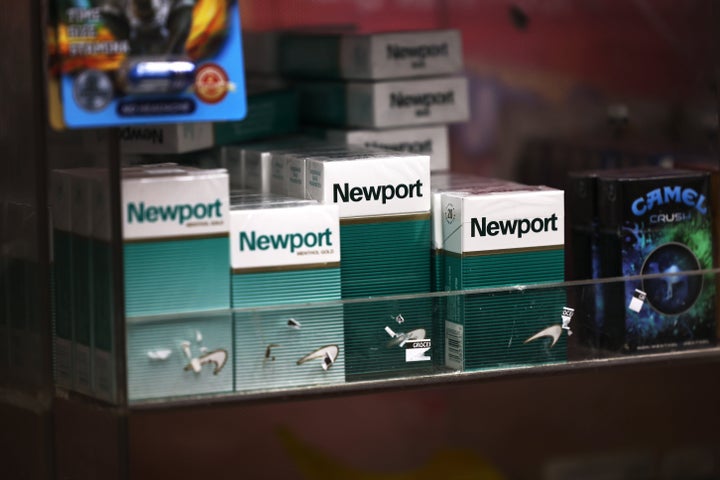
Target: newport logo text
411,147
517,226
384,193
400,52
173,213
406,100
293,241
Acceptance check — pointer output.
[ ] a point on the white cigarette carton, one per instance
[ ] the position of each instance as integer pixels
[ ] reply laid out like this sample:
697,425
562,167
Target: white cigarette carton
370,56
431,141
395,103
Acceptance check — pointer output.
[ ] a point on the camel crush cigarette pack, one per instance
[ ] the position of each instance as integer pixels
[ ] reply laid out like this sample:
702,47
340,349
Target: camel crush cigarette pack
656,225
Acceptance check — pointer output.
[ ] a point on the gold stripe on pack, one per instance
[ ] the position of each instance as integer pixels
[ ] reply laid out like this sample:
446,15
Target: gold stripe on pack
546,248
385,218
286,268
181,237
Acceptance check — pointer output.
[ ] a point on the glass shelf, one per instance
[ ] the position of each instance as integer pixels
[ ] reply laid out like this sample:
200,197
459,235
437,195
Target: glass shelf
382,343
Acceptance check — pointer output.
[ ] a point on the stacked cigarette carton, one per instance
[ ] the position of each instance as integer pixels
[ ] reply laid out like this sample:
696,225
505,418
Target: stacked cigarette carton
391,90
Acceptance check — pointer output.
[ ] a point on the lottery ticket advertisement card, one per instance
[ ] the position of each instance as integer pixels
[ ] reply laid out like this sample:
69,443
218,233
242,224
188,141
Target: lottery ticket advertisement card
126,62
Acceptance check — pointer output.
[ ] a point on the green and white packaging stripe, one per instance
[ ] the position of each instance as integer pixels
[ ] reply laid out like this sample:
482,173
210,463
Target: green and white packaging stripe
385,256
175,276
492,330
290,347
283,251
255,289
497,330
180,356
175,231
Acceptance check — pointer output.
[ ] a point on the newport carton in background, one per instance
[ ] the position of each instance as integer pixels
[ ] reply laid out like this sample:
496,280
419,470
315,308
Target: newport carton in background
431,141
375,56
504,236
171,138
396,103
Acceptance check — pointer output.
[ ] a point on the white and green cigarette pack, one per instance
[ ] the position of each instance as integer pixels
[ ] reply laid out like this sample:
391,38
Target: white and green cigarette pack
176,252
369,56
444,182
385,104
431,141
384,205
171,138
286,252
505,236
175,236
